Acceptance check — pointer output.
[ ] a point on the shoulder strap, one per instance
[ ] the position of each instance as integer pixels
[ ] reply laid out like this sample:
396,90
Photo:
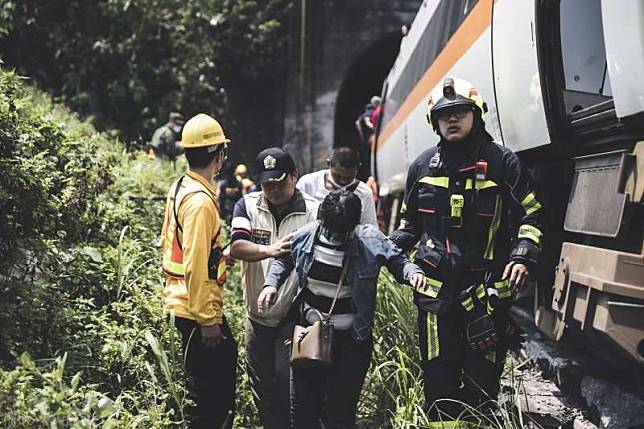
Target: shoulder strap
337,289
175,210
174,202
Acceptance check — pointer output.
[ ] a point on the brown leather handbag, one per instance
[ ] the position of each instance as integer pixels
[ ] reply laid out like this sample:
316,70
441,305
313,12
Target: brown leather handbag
311,345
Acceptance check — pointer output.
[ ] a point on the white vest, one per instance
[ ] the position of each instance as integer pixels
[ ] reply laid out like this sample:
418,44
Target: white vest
265,231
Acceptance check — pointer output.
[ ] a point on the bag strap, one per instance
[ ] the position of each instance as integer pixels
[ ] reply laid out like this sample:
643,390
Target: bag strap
337,289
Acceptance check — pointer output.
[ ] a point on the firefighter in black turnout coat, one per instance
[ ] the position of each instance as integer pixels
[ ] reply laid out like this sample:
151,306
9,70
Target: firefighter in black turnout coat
472,209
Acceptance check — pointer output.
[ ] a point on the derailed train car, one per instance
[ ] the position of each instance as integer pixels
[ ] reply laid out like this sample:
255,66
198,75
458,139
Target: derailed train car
564,84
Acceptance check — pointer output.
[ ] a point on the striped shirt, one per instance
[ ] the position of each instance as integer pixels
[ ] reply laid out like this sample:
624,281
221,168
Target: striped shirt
322,281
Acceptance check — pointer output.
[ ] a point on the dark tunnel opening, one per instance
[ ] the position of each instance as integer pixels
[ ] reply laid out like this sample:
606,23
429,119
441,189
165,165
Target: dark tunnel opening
363,80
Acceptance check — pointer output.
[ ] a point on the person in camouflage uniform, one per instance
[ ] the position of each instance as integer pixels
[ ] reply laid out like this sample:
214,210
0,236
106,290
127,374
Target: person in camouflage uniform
165,138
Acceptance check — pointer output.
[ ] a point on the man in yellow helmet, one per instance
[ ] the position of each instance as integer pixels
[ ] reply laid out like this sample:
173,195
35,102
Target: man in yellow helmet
241,174
472,209
195,270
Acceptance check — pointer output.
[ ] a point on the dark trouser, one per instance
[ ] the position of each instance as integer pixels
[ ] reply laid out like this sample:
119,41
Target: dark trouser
214,376
267,360
331,393
365,158
451,370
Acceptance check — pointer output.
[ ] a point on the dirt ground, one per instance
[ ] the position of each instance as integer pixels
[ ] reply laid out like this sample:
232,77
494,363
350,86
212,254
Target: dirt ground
543,403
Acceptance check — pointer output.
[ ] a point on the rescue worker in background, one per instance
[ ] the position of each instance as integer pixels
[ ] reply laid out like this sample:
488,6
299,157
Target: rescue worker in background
230,190
241,174
195,270
261,231
342,174
463,202
366,126
165,140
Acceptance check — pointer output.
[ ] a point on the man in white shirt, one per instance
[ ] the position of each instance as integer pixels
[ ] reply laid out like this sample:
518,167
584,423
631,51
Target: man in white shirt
341,174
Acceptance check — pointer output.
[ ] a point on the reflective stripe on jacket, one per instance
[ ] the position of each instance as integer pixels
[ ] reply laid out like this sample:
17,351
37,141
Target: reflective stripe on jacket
498,218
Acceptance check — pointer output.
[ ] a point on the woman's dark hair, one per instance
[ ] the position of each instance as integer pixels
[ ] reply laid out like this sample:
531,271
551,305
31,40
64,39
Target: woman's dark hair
340,211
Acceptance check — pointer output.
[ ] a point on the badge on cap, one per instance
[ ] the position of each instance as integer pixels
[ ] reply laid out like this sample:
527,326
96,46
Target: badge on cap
270,162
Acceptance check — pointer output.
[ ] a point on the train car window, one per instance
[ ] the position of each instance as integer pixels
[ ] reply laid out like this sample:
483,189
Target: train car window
447,18
583,55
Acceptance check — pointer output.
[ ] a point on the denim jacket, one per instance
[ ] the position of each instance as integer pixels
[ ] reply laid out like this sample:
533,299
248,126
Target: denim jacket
367,251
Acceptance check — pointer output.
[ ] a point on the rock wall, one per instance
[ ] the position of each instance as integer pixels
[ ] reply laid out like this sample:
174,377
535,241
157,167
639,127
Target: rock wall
334,42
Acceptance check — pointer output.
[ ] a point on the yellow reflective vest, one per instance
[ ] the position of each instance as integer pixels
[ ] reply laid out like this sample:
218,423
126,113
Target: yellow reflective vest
192,245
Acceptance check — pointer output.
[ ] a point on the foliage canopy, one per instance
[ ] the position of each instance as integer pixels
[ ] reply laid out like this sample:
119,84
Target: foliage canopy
128,63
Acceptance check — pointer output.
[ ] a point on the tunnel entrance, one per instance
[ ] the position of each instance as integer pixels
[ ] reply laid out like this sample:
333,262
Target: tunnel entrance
363,80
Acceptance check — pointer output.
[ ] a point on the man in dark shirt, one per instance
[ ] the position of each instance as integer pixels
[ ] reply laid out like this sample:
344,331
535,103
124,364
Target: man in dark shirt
461,200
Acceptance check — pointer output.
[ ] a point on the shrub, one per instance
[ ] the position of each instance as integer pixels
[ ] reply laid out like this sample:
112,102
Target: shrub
79,221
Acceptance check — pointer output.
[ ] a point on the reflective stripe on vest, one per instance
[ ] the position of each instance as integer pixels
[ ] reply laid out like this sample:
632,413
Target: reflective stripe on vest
494,229
441,181
479,184
172,249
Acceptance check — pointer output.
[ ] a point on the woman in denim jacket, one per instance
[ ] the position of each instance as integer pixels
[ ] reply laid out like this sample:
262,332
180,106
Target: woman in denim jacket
319,250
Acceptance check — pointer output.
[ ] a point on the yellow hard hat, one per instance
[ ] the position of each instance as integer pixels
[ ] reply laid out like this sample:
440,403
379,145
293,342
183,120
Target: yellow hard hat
201,131
454,92
241,169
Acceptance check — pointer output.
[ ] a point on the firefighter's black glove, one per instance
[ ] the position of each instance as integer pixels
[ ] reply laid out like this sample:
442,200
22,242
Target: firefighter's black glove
479,328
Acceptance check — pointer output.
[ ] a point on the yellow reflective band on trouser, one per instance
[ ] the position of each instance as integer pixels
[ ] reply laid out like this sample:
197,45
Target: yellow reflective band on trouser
432,336
480,291
468,304
531,233
530,203
480,184
450,424
442,181
490,309
494,229
503,288
432,287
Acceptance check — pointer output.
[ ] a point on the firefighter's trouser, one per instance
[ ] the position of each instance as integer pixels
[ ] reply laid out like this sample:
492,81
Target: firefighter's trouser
453,373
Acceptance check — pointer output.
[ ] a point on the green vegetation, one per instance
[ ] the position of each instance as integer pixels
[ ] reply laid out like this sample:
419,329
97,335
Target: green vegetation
84,342
79,285
126,64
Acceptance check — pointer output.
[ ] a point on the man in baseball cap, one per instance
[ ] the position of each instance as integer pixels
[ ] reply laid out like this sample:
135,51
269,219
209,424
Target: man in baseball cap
261,230
273,165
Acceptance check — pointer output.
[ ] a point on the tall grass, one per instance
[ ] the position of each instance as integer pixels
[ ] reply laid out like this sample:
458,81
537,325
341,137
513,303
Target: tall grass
393,393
